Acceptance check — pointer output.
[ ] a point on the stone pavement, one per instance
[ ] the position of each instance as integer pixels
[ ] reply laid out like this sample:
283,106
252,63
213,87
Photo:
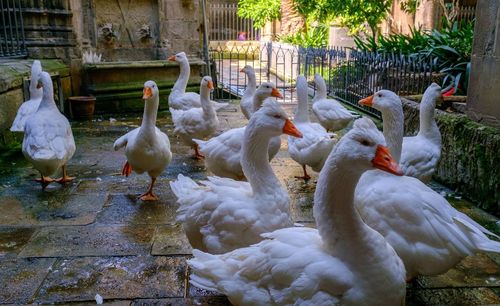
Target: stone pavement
66,244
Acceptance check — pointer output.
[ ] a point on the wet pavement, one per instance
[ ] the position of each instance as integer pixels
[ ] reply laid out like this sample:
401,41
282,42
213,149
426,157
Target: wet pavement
66,244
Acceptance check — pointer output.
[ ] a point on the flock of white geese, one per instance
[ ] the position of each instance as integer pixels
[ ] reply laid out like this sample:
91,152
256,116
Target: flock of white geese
378,224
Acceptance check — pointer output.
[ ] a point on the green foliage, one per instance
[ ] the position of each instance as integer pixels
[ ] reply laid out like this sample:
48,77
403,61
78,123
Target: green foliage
261,11
450,49
315,37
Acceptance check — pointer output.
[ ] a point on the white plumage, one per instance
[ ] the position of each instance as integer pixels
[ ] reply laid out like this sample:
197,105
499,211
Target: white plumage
196,122
221,214
48,140
146,147
30,106
330,113
246,103
223,153
344,262
315,145
428,234
179,98
420,154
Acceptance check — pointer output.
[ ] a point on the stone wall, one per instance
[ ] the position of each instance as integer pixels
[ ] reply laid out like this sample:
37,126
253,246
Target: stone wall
470,159
482,101
14,91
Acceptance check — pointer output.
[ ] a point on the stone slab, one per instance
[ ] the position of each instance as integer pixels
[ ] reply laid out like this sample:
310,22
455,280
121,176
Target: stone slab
171,240
301,205
20,279
121,209
95,240
56,207
79,279
12,240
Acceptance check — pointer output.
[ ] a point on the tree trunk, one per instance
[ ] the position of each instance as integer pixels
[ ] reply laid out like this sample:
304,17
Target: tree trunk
291,21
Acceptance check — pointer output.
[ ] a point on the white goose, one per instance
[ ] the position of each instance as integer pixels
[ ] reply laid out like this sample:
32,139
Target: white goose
344,262
222,214
146,147
312,149
196,122
48,140
246,103
428,234
179,98
420,154
29,107
223,153
331,114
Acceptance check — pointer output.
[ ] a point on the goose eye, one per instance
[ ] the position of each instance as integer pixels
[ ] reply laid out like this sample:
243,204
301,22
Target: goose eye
277,116
365,142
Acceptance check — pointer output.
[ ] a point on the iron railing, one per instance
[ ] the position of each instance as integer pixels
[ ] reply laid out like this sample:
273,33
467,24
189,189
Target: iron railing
12,41
350,75
226,25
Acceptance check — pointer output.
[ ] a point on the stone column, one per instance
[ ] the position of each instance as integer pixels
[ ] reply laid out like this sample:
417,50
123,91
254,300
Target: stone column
483,103
427,15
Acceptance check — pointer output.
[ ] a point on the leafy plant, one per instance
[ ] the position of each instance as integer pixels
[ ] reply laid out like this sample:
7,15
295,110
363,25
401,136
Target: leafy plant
315,37
450,49
261,11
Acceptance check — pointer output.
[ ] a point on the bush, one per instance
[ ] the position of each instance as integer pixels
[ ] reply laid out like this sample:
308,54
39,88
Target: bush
450,49
315,37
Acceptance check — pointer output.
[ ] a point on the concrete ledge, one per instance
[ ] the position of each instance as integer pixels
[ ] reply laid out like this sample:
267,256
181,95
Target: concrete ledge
470,159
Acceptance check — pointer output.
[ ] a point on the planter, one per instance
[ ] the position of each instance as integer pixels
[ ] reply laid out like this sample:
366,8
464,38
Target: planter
82,107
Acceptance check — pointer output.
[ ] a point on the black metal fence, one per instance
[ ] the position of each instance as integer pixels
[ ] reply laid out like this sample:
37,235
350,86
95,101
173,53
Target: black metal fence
350,75
12,41
226,25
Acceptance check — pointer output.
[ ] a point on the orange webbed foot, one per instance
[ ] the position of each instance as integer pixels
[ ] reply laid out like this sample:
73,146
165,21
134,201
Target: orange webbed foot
127,169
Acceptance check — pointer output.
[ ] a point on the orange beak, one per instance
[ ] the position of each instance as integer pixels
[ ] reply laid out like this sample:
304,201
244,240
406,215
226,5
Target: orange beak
171,58
384,161
147,93
210,85
368,101
291,130
276,93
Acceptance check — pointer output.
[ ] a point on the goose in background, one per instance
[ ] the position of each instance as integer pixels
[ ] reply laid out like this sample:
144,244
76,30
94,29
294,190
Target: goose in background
223,153
330,113
420,154
221,214
344,262
179,98
146,147
247,102
428,234
48,139
313,148
30,106
196,122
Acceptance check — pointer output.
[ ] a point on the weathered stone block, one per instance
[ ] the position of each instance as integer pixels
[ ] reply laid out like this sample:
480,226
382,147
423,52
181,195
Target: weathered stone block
469,158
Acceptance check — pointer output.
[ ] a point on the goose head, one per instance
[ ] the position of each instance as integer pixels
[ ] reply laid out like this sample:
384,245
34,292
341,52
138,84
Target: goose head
44,80
266,90
434,94
150,90
179,57
206,82
271,120
364,148
383,101
247,70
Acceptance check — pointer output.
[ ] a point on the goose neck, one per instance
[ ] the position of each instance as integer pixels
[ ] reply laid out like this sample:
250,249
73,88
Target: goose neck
251,85
320,90
393,124
181,83
255,161
258,100
206,105
428,126
338,222
150,114
47,96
